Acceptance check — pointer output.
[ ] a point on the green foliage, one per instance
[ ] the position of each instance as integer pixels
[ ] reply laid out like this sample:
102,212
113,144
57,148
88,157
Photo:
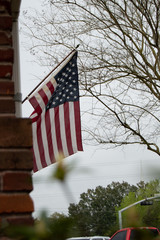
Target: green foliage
57,227
95,213
61,169
146,215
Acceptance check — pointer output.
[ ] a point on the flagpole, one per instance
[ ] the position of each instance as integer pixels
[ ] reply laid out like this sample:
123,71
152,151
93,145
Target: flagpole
50,73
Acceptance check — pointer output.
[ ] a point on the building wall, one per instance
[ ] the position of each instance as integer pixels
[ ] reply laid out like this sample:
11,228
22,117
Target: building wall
16,205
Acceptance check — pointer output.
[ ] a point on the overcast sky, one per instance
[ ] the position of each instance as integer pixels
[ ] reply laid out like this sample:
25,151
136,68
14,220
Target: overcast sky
93,167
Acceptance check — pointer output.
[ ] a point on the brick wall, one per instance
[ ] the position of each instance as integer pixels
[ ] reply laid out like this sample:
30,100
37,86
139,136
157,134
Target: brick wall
16,205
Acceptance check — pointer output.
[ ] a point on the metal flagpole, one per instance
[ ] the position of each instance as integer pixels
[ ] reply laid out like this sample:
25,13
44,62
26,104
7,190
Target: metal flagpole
50,73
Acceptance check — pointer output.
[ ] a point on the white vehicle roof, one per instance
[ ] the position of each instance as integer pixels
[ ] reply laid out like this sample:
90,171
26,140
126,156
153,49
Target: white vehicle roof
79,238
90,238
99,238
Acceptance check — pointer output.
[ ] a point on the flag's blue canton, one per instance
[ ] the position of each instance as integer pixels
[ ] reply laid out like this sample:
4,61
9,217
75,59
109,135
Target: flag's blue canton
67,85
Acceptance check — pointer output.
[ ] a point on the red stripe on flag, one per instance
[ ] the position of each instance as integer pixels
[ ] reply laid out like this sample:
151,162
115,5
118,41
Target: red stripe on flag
50,87
78,125
68,128
57,128
40,143
34,116
43,96
49,137
35,104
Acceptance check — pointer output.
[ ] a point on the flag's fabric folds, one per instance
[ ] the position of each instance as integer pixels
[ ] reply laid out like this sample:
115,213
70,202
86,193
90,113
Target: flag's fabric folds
56,126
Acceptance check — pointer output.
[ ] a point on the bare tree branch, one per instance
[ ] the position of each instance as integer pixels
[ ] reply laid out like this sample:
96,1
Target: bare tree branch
119,63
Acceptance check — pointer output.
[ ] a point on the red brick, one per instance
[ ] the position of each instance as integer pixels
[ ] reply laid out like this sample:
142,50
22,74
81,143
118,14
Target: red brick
7,106
16,203
1,183
15,132
19,220
21,159
7,88
6,54
5,6
16,181
5,238
5,38
5,22
6,71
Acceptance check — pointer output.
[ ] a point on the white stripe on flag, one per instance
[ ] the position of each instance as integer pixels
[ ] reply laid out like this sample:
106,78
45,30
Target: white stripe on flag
46,88
40,101
53,132
73,128
35,145
47,92
44,139
33,115
62,130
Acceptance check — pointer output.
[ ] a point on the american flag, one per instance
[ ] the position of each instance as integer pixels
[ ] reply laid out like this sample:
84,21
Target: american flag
56,125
